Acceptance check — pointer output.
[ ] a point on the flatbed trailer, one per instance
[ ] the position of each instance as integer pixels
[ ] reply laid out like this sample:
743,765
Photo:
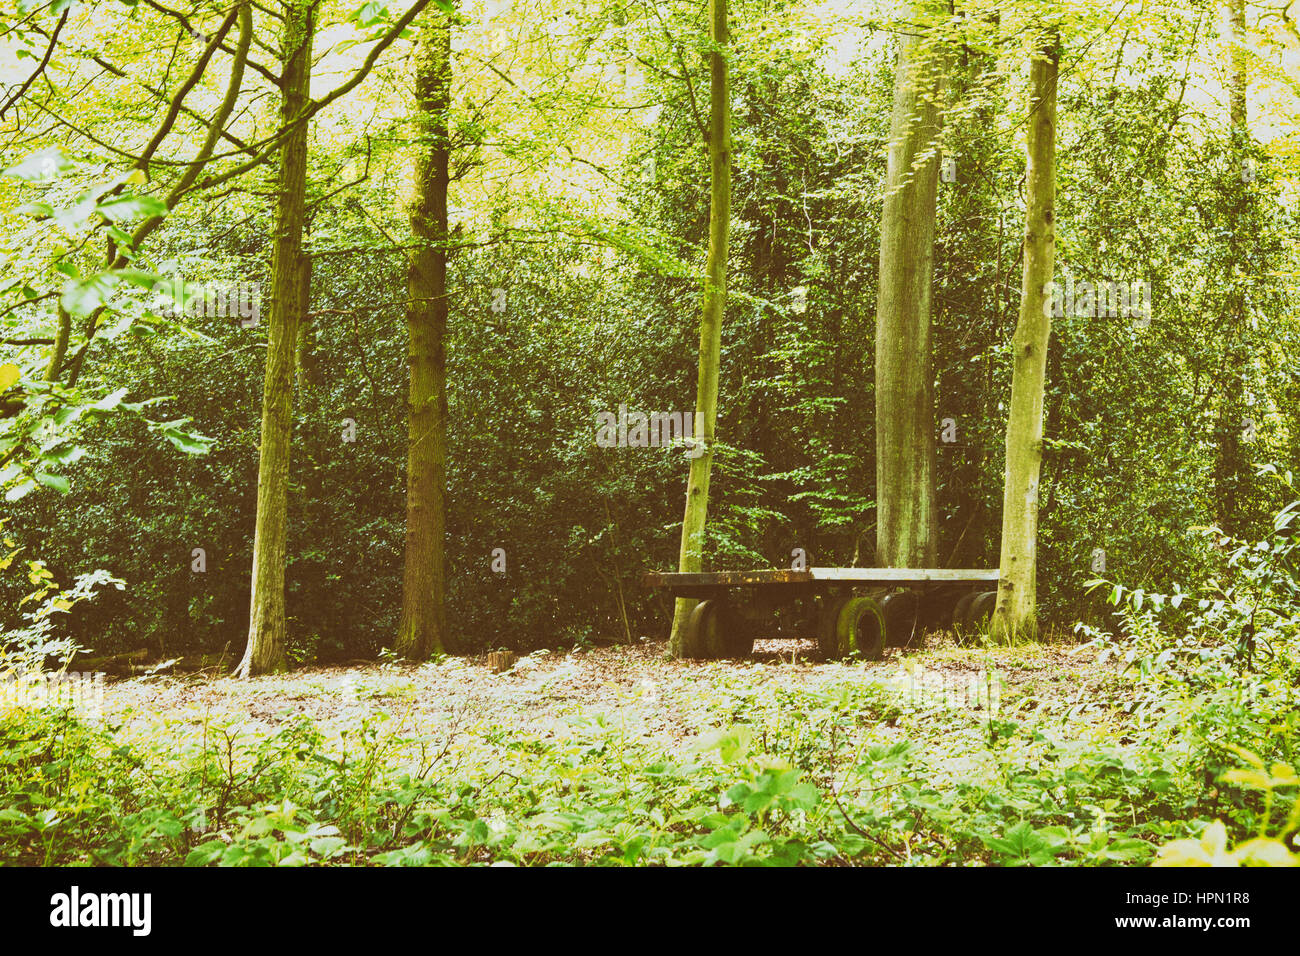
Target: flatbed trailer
851,612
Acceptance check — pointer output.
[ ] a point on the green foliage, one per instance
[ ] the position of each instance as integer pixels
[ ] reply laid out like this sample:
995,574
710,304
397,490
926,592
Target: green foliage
591,219
1216,675
847,774
1265,849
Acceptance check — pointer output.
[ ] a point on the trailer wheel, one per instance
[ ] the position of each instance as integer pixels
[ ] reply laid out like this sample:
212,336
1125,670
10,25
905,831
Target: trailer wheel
695,642
939,606
714,630
828,617
961,612
860,629
981,609
902,620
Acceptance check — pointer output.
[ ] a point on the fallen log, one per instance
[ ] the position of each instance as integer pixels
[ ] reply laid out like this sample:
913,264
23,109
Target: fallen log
105,662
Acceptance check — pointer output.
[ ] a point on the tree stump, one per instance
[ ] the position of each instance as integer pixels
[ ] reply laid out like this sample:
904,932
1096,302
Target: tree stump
499,661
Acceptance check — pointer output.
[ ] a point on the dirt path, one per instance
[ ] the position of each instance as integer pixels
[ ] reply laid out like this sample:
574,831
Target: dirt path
638,685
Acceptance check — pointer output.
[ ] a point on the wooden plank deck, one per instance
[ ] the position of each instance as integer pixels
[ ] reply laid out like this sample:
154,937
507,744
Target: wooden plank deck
846,576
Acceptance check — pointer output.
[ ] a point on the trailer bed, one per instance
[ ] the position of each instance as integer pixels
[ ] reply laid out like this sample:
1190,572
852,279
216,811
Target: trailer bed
686,583
852,612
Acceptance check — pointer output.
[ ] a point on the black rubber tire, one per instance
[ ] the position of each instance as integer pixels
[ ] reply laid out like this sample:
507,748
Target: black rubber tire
715,631
828,616
860,629
737,634
901,611
701,627
938,607
981,609
961,613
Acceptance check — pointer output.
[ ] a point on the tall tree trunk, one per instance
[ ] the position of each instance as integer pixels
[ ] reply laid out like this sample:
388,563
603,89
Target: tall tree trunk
422,630
1230,468
906,512
1015,612
266,626
690,557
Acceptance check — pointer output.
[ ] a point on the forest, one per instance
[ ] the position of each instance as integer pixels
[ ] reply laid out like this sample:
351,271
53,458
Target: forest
650,433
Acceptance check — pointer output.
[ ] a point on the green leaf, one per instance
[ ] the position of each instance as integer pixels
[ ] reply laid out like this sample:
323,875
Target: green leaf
121,208
804,796
327,847
187,440
145,280
44,164
206,853
20,490
83,296
57,482
110,401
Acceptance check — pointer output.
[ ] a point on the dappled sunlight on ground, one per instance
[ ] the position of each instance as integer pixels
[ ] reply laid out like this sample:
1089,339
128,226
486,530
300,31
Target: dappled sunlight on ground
638,686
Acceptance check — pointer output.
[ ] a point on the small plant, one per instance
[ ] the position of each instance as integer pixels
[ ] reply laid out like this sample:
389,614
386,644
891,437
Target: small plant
302,649
1265,848
28,649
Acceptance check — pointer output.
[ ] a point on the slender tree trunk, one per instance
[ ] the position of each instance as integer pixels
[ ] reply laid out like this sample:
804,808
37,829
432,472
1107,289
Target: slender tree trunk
1015,613
266,627
715,301
422,630
906,512
1230,467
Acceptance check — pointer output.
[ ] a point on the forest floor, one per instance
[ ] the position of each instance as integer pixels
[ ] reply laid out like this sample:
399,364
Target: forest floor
620,754
637,686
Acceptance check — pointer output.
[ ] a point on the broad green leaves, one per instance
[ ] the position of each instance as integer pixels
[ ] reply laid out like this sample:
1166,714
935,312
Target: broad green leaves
45,164
57,482
183,438
127,208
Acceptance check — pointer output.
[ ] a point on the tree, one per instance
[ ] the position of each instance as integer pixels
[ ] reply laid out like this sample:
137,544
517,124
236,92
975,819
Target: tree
690,557
1230,466
906,512
1015,612
422,629
289,293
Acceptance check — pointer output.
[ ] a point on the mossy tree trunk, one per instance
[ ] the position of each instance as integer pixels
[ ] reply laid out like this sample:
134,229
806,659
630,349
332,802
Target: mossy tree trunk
1015,612
1231,470
690,557
422,629
267,625
906,512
